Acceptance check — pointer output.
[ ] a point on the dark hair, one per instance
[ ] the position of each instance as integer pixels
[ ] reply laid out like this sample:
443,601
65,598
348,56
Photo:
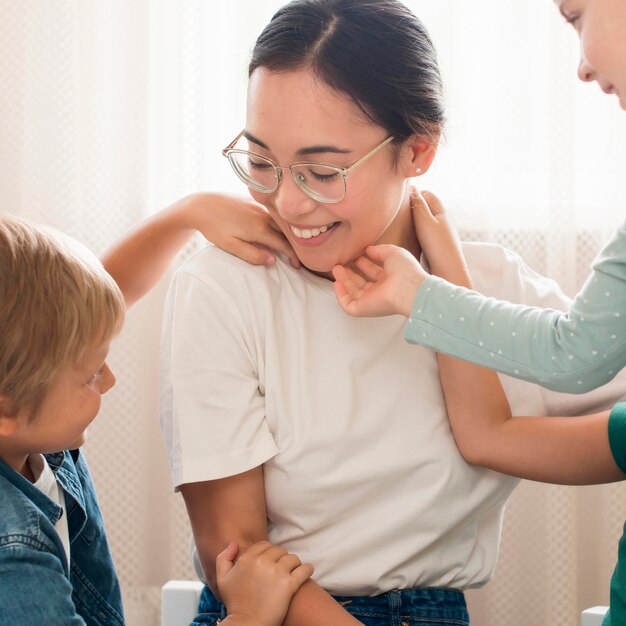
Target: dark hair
375,51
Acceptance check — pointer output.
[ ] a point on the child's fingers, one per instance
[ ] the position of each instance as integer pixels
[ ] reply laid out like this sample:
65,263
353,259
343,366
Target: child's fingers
277,241
249,252
258,548
289,562
341,292
380,253
301,574
344,296
352,282
370,270
420,207
225,559
273,553
434,204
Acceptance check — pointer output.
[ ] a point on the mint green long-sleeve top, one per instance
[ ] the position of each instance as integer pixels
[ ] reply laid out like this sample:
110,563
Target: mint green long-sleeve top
573,351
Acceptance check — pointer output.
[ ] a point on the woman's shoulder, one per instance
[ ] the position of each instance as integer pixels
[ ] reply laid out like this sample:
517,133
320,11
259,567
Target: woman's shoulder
213,270
501,273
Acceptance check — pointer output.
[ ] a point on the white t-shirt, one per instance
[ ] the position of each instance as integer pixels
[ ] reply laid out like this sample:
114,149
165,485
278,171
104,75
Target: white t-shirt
46,482
362,475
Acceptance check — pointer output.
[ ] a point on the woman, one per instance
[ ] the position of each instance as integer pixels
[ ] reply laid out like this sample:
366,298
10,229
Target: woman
285,418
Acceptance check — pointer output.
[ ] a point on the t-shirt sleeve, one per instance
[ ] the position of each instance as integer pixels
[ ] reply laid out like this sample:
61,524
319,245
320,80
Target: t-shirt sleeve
617,434
212,409
575,350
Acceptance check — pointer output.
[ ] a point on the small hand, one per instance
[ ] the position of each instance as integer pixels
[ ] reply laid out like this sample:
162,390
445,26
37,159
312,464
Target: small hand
239,226
258,588
438,238
386,282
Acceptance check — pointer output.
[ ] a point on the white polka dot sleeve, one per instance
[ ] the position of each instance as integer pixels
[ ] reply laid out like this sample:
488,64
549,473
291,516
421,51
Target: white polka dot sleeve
573,351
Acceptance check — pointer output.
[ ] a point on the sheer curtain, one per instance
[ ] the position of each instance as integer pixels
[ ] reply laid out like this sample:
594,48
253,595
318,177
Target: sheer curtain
111,110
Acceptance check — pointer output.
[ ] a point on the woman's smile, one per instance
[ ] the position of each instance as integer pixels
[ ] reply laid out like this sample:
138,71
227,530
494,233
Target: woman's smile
312,236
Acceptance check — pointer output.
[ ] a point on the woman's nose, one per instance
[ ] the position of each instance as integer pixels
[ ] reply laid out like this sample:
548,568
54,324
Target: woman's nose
290,201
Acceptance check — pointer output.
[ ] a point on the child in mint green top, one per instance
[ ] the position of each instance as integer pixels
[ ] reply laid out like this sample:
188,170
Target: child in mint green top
574,351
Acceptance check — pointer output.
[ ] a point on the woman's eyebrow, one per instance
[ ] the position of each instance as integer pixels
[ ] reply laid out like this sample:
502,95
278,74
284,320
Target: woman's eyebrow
253,139
321,149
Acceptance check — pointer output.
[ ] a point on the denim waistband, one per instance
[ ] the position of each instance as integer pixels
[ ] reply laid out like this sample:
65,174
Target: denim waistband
422,604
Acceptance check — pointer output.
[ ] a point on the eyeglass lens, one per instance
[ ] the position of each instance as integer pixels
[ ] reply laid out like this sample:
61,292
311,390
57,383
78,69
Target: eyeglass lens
321,182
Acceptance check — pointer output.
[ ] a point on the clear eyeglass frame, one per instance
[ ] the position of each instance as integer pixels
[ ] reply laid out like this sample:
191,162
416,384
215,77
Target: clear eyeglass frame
232,154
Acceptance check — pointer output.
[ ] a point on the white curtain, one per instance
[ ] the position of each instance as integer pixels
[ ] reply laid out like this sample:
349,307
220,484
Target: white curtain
111,110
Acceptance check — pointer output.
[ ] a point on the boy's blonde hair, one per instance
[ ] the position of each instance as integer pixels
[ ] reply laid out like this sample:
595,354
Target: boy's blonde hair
56,300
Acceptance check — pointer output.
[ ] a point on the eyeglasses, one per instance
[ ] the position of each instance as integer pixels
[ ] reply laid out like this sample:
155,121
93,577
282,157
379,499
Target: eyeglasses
320,181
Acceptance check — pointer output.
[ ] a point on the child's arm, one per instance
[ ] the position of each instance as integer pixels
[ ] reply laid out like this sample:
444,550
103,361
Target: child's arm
258,588
565,450
239,226
575,351
572,450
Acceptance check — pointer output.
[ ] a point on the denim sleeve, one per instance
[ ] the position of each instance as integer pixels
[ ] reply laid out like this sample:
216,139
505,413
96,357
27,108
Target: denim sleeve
574,351
34,589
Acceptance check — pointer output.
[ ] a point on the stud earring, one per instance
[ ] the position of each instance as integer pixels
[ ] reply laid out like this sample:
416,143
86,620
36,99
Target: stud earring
418,171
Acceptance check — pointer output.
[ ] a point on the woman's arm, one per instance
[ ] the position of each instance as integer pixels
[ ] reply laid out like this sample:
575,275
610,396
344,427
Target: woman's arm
233,509
237,225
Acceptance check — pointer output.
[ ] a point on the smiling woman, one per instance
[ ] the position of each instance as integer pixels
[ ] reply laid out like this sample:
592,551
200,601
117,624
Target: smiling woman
283,417
293,114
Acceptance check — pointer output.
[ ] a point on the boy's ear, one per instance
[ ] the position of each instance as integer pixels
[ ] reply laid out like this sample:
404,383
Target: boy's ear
8,421
422,151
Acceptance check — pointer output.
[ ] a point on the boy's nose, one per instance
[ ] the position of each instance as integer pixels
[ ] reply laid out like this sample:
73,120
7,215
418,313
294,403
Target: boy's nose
108,379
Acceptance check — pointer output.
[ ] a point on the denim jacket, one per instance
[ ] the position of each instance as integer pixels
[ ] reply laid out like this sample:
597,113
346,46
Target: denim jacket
37,585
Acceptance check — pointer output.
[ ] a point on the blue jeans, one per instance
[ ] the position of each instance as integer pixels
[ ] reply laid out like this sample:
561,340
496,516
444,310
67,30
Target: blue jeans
409,607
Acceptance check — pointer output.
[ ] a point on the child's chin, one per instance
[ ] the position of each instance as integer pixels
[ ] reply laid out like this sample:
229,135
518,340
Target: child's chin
79,442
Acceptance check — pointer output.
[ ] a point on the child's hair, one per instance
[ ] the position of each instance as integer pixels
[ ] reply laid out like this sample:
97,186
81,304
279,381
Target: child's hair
375,51
56,300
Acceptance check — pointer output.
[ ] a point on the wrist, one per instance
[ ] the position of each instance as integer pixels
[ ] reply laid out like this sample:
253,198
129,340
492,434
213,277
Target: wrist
184,212
238,619
408,292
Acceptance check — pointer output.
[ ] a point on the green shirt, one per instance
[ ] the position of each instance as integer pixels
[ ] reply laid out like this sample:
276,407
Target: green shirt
574,351
616,615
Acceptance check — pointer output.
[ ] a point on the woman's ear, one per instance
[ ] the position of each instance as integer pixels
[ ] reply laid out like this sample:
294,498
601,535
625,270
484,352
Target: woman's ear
421,153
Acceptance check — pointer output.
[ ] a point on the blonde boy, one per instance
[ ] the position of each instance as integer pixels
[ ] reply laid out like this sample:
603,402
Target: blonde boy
59,311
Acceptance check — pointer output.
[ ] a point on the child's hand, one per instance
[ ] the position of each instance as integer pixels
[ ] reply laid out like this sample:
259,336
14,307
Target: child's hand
239,226
258,588
387,280
438,238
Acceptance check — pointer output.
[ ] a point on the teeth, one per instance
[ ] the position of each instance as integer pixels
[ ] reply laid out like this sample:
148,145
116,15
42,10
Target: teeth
306,233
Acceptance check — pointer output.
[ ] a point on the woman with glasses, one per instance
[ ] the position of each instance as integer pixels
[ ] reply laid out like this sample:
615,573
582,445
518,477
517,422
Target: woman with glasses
286,419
